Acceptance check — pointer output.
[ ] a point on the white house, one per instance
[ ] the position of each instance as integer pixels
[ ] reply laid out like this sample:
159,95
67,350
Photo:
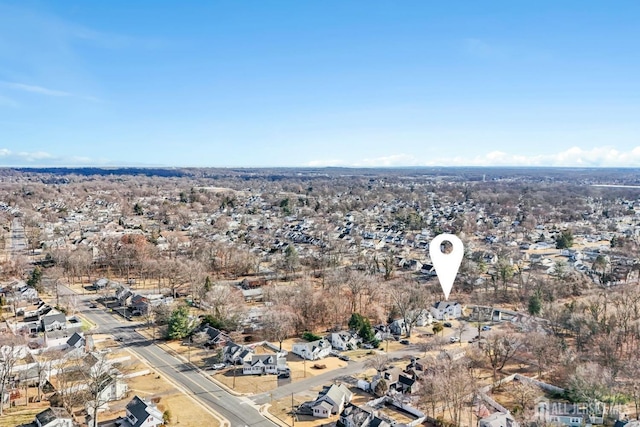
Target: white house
113,388
334,399
236,354
54,417
273,363
322,409
54,322
141,414
312,350
344,341
424,318
446,310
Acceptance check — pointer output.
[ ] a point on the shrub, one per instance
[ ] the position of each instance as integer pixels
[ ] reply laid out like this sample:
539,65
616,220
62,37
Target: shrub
310,336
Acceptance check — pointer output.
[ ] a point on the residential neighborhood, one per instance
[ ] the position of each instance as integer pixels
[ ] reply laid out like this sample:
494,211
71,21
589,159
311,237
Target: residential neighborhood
316,306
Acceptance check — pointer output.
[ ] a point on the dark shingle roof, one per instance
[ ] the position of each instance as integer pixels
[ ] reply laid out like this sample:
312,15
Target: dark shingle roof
73,340
51,414
138,409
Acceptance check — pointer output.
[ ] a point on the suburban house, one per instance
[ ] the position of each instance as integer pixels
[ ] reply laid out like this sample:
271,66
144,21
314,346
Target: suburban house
123,294
570,415
344,341
54,417
360,416
236,354
265,364
141,414
335,396
446,310
54,322
253,295
142,304
113,387
397,380
216,337
313,350
423,318
75,341
398,327
322,409
498,419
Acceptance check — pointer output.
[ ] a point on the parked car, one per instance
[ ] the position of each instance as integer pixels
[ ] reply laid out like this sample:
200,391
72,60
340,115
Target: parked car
486,328
344,357
284,375
93,305
447,324
367,346
218,366
454,339
405,342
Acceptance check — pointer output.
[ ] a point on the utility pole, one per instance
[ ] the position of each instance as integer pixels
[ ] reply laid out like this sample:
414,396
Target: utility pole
234,375
293,413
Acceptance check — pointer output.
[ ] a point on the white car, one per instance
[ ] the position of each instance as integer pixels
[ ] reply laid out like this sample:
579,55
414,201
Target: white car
454,339
218,366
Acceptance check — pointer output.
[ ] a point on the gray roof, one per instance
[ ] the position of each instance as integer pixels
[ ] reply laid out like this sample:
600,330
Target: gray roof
73,340
326,405
267,359
51,414
377,422
334,393
138,409
51,318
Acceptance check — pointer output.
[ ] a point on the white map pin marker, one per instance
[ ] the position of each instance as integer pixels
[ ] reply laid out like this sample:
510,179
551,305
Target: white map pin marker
446,265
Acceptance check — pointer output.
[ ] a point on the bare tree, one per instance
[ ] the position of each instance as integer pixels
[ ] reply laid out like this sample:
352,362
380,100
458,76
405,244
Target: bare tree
544,349
278,324
461,329
499,348
410,301
200,338
97,377
379,362
224,303
525,395
10,349
459,388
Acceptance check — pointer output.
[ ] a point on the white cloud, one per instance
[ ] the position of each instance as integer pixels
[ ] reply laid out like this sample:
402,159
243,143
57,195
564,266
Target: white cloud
387,161
39,90
35,89
44,159
11,158
572,157
325,163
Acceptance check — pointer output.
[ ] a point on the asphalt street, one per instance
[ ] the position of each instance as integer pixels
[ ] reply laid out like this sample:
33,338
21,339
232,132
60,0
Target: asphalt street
18,239
238,411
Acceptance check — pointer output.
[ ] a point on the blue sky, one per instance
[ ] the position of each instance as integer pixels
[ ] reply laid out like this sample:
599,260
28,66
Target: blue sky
317,83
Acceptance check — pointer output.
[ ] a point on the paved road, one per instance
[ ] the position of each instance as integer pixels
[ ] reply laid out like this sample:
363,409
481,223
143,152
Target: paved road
353,367
238,411
18,238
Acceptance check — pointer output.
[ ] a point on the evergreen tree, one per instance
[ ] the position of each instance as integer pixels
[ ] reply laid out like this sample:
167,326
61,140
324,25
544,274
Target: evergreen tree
535,305
36,278
564,240
356,321
179,324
